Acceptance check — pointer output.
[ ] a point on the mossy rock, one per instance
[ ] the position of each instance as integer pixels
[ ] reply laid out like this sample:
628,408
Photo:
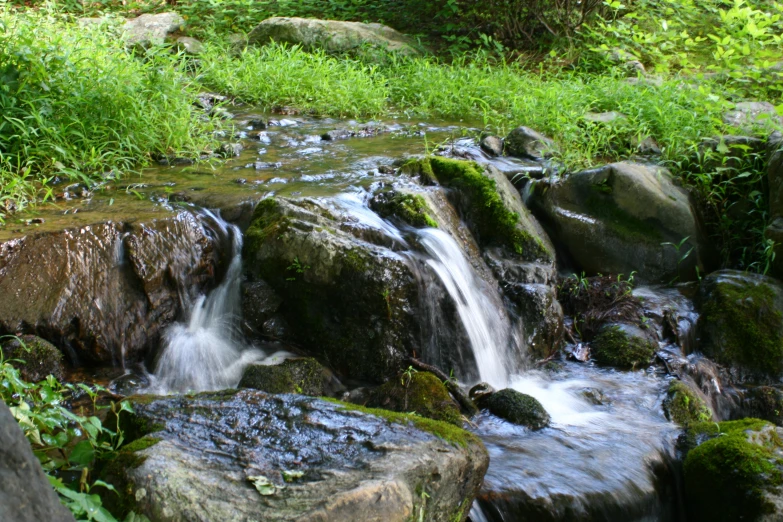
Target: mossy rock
494,213
304,376
734,472
622,346
741,325
684,406
516,407
421,393
764,402
409,208
35,358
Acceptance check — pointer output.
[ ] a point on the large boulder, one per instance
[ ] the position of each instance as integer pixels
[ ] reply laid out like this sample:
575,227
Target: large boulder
245,455
741,323
332,35
615,220
25,492
105,292
734,472
353,300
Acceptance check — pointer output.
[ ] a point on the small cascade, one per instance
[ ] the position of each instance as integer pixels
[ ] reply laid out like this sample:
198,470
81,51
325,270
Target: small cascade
480,310
207,352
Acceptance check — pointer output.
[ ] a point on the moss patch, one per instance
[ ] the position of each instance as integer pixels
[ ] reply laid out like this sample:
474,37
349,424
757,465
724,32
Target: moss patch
744,327
488,217
35,358
683,406
423,393
304,376
727,476
614,346
410,208
516,407
443,430
267,221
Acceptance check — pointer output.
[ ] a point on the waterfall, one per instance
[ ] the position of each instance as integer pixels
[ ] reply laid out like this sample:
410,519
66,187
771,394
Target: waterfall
207,352
484,318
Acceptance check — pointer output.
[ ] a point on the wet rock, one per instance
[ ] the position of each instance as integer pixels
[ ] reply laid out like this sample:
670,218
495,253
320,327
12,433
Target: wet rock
480,390
409,208
764,402
25,492
741,324
230,150
130,384
354,302
260,303
209,456
419,392
684,405
594,396
623,346
615,218
257,124
207,100
37,358
734,472
102,291
492,145
304,376
525,142
332,35
152,29
516,408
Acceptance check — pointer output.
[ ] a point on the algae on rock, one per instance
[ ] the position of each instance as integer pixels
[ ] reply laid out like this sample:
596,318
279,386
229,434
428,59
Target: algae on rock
623,346
419,392
684,406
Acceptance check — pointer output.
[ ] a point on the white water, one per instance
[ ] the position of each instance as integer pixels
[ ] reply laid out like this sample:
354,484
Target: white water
485,322
207,352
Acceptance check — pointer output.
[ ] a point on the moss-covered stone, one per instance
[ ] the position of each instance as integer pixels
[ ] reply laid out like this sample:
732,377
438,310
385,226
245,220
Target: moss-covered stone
733,471
35,358
741,323
483,208
622,346
516,407
684,406
421,393
764,402
410,208
304,376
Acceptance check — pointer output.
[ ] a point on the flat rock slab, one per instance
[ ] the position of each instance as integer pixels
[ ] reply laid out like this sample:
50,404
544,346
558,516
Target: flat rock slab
341,464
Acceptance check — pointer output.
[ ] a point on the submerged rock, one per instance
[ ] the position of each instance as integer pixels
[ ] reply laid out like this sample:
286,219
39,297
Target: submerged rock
37,358
524,141
304,376
735,472
245,455
623,346
515,407
332,35
741,324
106,291
421,393
25,492
616,219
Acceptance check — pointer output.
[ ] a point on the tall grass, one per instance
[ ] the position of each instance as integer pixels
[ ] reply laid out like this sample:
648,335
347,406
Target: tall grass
74,103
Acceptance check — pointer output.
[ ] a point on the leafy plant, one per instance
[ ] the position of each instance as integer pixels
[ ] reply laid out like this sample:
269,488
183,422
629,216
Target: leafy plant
297,268
680,258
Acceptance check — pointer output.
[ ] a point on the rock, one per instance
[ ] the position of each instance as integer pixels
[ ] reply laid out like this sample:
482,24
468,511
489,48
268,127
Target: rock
684,405
492,145
480,390
525,142
748,114
734,471
421,393
190,45
39,358
605,117
25,492
260,304
152,29
106,291
230,150
764,402
409,208
516,408
614,220
623,346
332,35
257,124
741,324
245,455
647,146
304,376
354,301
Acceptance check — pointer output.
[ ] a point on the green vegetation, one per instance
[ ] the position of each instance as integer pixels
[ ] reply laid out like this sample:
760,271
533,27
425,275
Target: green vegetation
683,406
410,208
727,476
418,392
616,346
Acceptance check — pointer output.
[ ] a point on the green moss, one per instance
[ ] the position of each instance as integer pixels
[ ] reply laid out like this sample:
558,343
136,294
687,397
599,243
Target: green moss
424,394
266,222
727,476
410,208
516,407
744,327
614,346
443,430
35,358
685,407
304,376
140,444
489,218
